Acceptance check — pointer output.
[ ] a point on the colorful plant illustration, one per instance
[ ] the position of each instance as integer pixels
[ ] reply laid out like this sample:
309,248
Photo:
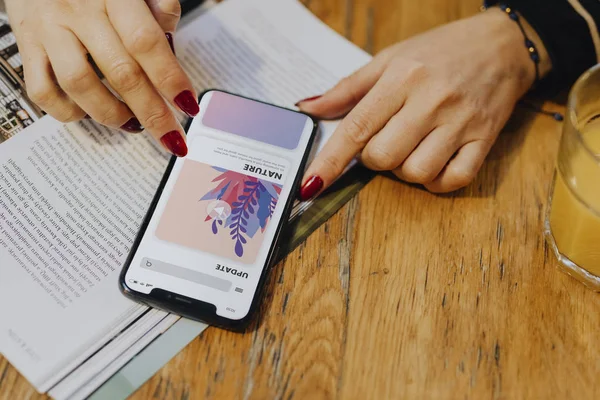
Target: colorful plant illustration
252,203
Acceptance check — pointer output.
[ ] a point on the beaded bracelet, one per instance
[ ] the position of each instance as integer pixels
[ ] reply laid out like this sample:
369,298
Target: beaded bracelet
533,54
531,48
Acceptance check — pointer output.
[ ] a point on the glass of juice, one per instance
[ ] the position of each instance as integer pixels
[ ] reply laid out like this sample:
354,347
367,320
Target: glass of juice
572,225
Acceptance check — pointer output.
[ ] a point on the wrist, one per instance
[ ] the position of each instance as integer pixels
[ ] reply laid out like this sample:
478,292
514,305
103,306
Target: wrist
513,55
9,3
12,8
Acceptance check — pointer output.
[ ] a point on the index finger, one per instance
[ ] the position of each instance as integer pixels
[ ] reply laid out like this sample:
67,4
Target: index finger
354,132
126,77
145,41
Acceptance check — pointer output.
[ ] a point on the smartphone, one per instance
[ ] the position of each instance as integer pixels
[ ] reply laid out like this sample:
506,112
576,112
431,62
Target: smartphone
211,234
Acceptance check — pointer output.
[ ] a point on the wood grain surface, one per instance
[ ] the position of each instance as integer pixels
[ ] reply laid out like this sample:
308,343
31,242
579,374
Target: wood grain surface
408,295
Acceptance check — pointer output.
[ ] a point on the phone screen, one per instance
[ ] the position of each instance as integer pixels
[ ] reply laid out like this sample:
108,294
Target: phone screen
210,235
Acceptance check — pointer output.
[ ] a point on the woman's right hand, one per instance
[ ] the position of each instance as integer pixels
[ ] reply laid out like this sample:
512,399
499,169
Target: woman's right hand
429,108
130,41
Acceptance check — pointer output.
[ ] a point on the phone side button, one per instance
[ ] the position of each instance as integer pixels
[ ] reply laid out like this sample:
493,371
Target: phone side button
276,256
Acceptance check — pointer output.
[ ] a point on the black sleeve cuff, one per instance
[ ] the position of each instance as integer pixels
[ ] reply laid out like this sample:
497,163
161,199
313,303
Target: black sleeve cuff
189,5
566,36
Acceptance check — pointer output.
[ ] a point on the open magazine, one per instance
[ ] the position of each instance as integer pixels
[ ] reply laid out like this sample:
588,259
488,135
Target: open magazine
72,196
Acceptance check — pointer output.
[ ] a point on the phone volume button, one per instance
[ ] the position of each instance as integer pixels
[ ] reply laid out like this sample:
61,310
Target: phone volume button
276,255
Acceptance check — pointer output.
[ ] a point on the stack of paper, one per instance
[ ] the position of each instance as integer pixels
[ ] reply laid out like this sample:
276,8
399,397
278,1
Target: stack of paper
72,196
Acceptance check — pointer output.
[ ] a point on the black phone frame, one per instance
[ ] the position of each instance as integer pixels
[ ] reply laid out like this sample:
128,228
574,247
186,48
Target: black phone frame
196,309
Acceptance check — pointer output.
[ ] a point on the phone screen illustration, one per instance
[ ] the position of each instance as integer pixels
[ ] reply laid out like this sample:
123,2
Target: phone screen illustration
211,232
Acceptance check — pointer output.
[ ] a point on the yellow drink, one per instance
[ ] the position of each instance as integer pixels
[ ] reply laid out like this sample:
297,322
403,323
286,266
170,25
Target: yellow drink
574,219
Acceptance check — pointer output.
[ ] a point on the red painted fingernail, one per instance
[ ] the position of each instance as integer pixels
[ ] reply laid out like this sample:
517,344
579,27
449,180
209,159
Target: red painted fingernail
309,99
133,126
311,187
169,36
187,103
175,143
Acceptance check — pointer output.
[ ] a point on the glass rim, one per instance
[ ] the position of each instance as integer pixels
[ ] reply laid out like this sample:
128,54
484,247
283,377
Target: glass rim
577,87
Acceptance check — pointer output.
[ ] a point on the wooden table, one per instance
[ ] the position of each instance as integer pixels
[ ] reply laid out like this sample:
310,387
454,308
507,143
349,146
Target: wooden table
405,294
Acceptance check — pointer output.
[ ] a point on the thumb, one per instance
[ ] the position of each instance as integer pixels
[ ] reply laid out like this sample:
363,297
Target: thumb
167,13
346,94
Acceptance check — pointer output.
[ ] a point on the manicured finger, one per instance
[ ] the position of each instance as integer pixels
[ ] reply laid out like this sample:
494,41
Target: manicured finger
425,163
42,88
128,79
354,132
80,82
347,93
398,138
167,13
145,41
462,169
